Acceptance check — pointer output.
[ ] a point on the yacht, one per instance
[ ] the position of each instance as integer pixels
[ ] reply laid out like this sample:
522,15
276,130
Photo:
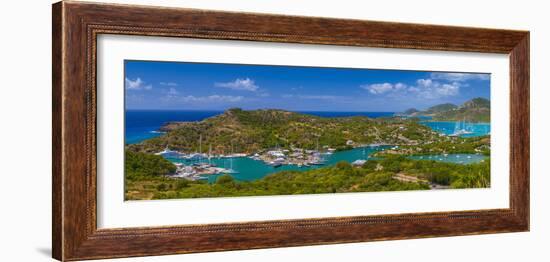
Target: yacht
166,151
461,128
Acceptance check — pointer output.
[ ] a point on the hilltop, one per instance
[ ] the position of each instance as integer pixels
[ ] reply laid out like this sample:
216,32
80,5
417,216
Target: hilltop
440,108
410,111
474,110
242,131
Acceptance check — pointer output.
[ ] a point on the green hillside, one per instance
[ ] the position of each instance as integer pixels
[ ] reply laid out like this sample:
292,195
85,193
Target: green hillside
241,131
411,111
475,110
440,108
375,175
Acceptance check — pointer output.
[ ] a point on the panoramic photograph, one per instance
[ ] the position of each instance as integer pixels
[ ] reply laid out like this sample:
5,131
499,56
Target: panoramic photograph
203,130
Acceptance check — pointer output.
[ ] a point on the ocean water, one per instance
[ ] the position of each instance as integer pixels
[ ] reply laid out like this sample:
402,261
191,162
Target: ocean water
141,125
250,169
453,158
449,128
144,124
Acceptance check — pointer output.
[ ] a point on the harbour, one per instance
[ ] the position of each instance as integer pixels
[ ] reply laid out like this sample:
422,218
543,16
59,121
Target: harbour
204,165
248,168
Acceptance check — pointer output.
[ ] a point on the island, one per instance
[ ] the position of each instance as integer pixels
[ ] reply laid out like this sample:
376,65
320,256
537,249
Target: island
301,153
474,110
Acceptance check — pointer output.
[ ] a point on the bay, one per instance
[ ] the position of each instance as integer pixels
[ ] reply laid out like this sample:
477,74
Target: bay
249,169
144,124
450,128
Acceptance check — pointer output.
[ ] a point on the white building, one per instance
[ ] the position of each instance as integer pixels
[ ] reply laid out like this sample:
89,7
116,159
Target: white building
276,153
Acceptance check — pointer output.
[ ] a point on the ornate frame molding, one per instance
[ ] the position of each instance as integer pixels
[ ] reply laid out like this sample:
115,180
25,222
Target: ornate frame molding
76,26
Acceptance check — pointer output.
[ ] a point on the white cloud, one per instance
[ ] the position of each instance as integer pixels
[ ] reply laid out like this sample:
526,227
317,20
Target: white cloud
399,86
425,83
384,88
429,89
168,84
460,77
212,98
245,84
170,94
448,89
137,84
172,91
174,96
424,88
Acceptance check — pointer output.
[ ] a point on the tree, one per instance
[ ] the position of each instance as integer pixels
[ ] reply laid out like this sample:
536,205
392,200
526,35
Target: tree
224,179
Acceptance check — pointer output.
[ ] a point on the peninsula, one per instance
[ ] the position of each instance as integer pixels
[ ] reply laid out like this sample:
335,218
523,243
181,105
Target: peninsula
474,110
304,142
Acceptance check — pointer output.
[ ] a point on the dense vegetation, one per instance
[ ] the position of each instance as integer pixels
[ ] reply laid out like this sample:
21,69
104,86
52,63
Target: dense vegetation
475,110
410,111
143,166
447,145
374,175
476,114
241,131
441,108
441,173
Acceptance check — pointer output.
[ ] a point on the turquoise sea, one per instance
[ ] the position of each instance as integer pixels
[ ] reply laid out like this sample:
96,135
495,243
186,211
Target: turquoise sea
250,169
453,158
449,128
141,125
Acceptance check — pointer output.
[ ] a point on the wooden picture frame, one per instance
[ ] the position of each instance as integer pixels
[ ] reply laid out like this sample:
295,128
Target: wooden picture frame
76,26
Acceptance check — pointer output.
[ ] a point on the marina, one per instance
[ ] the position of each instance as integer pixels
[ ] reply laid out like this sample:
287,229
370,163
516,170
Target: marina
453,158
202,130
247,167
459,128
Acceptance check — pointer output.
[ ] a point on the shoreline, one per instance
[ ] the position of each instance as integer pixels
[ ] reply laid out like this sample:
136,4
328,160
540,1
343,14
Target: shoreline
204,168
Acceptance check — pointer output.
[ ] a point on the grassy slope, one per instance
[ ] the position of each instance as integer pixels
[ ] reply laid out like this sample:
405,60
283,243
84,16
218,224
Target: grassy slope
375,175
252,131
255,130
475,110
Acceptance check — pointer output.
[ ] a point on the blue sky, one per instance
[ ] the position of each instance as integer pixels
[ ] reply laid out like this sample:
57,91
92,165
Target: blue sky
207,86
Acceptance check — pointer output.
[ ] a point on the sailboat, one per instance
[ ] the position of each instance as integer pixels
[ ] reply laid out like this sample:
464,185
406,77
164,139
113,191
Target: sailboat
210,154
166,152
200,148
462,128
231,170
318,157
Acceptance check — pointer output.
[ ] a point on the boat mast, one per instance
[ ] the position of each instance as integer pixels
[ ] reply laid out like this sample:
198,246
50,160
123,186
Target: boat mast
209,153
231,159
200,148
